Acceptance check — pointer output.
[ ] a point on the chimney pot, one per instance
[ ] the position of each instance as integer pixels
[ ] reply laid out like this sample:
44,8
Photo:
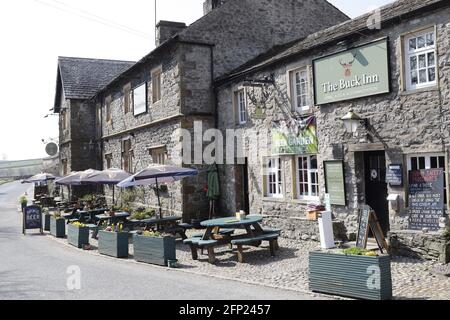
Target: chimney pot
167,29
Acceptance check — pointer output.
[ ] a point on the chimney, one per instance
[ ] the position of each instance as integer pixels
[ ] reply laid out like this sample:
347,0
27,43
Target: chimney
210,5
166,30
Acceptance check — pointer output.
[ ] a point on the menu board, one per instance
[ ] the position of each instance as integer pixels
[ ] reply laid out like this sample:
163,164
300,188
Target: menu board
394,175
363,228
32,218
426,199
335,182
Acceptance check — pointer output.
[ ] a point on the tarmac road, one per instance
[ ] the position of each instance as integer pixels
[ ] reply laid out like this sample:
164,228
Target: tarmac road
35,267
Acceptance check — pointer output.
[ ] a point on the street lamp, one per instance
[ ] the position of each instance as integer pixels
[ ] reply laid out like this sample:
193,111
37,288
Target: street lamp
352,121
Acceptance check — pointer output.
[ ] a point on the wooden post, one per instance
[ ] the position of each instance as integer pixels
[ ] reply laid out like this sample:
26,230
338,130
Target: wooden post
240,253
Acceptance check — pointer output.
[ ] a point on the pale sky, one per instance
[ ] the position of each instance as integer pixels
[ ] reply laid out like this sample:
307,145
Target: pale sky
35,32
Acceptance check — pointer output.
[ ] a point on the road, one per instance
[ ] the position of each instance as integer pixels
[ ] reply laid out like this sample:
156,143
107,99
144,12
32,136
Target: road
35,267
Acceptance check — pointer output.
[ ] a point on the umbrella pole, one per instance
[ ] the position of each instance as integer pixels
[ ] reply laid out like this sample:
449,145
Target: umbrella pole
113,196
159,199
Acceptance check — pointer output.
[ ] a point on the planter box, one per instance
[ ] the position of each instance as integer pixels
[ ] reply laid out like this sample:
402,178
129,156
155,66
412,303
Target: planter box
154,250
352,276
114,244
47,222
77,236
57,227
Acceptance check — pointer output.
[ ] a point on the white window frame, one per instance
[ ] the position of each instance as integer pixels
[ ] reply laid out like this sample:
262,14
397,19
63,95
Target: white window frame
309,172
426,50
274,188
241,106
298,94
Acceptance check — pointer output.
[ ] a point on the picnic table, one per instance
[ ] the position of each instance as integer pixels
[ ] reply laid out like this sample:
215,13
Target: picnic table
221,232
166,224
117,217
88,215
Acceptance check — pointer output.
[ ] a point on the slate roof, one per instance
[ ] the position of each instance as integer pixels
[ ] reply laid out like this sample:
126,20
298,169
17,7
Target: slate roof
397,9
82,78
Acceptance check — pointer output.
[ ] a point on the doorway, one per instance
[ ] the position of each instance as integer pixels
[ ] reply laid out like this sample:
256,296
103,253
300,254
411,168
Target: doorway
376,190
242,187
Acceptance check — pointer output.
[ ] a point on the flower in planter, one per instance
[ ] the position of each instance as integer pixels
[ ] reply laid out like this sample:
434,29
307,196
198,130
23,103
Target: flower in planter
153,234
360,252
78,224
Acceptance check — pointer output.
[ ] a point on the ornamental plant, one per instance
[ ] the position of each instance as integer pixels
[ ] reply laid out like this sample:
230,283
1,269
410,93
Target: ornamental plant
78,224
152,234
360,252
115,228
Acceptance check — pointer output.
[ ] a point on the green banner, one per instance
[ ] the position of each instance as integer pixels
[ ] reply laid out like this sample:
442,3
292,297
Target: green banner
355,73
289,144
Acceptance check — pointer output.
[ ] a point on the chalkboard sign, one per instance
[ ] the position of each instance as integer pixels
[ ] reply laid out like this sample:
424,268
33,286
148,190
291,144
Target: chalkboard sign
394,175
335,182
32,218
363,228
368,221
426,199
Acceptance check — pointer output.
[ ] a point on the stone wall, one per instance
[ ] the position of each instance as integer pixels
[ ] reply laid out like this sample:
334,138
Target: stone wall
397,118
428,246
244,29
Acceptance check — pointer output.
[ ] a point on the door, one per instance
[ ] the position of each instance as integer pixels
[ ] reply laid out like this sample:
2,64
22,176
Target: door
376,190
242,188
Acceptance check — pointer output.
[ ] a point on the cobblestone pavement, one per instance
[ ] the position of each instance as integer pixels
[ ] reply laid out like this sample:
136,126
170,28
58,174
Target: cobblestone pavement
412,279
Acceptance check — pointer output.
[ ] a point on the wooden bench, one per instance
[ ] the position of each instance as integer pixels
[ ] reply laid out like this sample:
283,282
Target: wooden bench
198,243
271,237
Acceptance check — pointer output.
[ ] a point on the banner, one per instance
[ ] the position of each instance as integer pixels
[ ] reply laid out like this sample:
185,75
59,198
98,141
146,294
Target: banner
286,143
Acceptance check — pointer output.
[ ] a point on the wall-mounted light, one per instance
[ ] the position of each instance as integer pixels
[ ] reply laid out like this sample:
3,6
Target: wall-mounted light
352,121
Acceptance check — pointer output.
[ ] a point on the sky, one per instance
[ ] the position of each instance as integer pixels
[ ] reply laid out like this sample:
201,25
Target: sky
35,32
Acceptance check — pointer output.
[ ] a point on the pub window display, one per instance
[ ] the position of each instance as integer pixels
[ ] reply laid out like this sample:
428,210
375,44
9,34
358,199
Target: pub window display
140,99
429,161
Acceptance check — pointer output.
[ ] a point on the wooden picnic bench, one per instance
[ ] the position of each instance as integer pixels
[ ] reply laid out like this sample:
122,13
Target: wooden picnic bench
272,238
198,243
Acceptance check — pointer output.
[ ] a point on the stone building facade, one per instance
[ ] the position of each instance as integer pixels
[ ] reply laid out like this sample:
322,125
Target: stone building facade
407,125
141,115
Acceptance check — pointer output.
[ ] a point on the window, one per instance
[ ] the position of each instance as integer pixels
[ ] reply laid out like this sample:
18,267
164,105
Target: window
108,159
307,178
64,120
140,99
273,178
127,98
429,161
241,106
420,60
127,156
159,155
156,85
64,167
108,108
300,90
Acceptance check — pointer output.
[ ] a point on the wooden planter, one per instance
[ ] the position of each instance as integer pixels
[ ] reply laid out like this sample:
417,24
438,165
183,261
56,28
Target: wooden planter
57,227
77,236
114,244
352,276
47,222
154,250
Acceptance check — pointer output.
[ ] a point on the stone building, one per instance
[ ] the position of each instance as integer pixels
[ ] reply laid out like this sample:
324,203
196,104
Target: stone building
389,71
139,117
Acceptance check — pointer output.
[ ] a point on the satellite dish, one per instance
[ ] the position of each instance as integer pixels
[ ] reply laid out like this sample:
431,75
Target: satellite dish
52,149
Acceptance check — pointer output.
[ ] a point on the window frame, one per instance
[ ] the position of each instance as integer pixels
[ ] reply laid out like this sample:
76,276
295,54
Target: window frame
293,89
156,85
145,110
242,115
108,111
157,152
426,50
309,183
127,156
128,101
278,182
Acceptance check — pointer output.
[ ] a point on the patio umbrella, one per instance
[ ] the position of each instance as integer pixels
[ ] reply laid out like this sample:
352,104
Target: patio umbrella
213,190
76,178
108,177
155,174
41,177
